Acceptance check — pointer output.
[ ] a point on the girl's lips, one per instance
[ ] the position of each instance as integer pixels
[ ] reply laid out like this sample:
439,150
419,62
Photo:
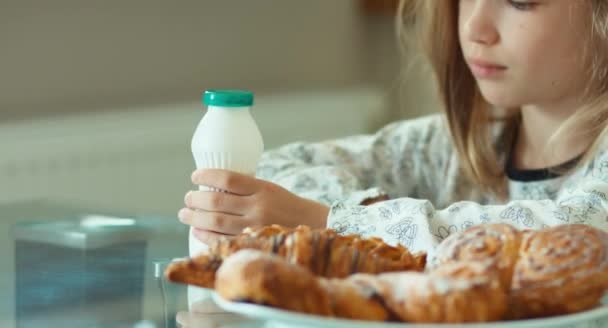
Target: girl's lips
484,69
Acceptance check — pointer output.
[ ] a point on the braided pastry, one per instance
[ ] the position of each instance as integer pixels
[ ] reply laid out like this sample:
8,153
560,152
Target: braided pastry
322,251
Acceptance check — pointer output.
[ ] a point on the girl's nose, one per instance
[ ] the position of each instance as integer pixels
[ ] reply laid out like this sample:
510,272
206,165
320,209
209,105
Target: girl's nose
479,25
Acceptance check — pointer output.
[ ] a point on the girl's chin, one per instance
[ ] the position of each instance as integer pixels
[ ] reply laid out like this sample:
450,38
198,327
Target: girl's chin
501,100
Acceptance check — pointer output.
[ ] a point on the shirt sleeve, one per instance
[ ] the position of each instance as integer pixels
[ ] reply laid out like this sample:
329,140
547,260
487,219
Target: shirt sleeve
358,168
417,224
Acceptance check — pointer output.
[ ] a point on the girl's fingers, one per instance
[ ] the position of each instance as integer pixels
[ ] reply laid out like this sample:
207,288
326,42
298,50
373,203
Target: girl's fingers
229,181
213,221
207,237
218,202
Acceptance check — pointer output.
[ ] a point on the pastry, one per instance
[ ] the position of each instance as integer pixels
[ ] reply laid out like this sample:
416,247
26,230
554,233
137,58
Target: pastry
356,300
253,276
485,273
560,270
199,271
459,292
322,251
495,245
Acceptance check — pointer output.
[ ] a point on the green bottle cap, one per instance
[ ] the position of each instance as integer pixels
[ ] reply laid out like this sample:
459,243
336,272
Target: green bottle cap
228,98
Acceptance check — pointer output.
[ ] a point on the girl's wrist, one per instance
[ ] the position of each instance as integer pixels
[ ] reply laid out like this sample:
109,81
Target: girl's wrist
315,213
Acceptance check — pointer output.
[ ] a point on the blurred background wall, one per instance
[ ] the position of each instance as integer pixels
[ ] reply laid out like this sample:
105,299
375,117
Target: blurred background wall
99,99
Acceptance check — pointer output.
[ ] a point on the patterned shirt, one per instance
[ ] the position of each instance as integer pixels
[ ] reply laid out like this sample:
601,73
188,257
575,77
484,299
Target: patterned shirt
414,163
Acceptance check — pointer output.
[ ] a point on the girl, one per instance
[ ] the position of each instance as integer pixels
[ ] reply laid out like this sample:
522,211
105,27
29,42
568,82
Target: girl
522,138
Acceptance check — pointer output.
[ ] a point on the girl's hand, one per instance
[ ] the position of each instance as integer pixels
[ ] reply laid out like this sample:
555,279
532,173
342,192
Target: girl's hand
248,202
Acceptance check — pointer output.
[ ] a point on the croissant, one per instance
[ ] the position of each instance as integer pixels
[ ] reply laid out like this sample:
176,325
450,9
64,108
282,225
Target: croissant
322,251
457,293
442,297
199,271
262,278
558,270
356,299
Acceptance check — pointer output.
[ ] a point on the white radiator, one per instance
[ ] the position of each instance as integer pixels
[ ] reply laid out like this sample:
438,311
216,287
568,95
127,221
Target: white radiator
138,161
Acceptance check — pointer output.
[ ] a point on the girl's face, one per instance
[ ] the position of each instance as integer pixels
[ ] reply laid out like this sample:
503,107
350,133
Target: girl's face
525,52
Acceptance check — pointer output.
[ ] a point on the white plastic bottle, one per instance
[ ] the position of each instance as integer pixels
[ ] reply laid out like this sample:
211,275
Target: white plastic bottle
226,138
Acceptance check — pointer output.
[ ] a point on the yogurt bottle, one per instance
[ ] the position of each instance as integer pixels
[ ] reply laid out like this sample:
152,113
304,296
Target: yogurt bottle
227,138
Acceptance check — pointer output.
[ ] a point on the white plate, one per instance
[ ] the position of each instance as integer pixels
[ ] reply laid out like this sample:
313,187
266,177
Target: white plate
595,318
200,300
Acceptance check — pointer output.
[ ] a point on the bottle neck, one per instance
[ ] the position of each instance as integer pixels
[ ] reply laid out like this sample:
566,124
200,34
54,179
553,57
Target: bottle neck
228,109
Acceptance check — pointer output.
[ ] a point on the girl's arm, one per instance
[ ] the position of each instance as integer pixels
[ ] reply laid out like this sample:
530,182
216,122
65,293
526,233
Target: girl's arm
296,183
360,169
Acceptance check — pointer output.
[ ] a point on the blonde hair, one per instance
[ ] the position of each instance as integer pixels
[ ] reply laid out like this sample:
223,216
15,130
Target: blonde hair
434,26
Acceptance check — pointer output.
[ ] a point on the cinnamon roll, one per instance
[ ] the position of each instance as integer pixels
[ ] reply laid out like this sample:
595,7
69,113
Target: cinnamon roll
560,270
495,245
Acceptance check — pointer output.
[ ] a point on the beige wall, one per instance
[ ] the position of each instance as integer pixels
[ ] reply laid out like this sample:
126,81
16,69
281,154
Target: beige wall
75,55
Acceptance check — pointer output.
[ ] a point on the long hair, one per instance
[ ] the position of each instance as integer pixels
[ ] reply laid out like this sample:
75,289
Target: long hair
433,26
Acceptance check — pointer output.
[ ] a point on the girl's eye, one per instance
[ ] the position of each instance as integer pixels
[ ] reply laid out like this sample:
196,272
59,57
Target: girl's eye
522,5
